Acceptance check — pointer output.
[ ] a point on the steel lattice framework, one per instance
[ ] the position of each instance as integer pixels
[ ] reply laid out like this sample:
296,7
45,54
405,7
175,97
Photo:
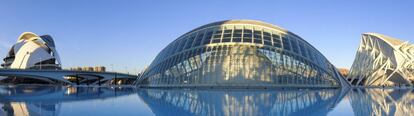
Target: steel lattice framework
382,61
240,53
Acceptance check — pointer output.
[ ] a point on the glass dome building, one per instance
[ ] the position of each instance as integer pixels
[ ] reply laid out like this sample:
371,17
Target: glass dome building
240,53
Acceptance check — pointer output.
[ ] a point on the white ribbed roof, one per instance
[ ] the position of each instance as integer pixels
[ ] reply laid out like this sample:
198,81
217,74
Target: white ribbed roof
391,40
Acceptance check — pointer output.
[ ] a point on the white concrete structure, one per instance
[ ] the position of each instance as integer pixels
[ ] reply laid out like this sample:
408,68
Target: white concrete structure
33,52
61,76
382,61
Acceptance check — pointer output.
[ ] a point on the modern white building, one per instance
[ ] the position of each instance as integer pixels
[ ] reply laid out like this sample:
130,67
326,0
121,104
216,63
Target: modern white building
240,53
382,61
33,52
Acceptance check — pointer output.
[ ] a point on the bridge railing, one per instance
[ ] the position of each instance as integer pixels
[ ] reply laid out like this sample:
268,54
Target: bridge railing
64,70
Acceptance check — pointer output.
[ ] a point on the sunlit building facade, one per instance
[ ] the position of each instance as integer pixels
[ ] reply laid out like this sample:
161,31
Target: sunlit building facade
240,53
33,52
382,61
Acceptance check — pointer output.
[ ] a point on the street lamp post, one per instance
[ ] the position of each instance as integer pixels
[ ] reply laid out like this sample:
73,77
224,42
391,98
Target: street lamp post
112,67
126,69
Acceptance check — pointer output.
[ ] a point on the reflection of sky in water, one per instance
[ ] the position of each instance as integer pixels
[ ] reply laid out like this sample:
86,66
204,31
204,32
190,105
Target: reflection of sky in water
108,101
342,109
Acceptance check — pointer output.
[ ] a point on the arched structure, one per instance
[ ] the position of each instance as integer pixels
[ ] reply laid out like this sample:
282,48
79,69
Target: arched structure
382,61
70,76
33,52
240,53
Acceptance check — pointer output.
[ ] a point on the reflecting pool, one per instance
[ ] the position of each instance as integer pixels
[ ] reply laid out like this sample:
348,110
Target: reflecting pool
117,101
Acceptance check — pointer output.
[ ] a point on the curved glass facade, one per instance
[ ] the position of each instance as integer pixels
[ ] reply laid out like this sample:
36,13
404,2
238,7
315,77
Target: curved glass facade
240,53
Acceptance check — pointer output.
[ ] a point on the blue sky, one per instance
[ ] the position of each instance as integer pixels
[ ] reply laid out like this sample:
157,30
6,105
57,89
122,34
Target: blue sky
130,33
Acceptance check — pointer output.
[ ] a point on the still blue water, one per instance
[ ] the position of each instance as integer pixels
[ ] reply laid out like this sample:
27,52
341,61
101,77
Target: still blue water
128,101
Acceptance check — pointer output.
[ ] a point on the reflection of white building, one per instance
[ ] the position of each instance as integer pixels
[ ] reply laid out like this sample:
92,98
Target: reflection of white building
30,109
33,52
382,102
383,61
50,100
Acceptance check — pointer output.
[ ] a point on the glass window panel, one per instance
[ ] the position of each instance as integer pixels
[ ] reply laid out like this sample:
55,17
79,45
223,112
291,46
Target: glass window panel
267,38
207,37
268,43
257,36
227,31
237,34
183,44
277,45
276,40
227,35
247,35
303,50
266,33
189,42
199,39
286,43
178,46
226,40
294,45
217,36
310,54
216,41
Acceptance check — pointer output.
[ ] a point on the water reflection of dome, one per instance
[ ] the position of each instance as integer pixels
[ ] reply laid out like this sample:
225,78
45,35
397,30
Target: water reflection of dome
240,102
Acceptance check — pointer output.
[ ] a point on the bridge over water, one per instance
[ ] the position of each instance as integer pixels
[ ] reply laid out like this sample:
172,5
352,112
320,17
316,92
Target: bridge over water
53,76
